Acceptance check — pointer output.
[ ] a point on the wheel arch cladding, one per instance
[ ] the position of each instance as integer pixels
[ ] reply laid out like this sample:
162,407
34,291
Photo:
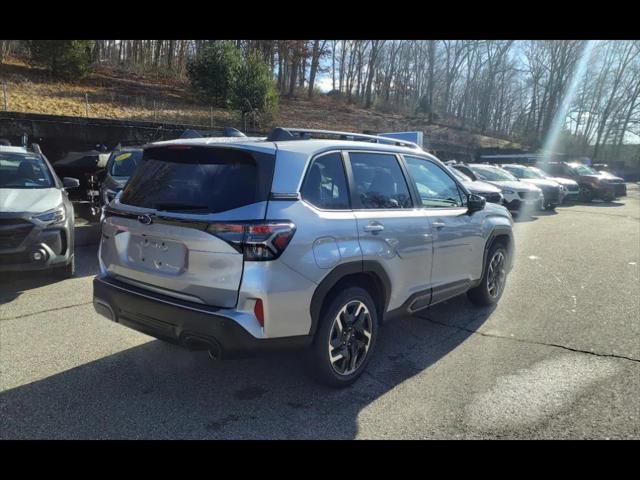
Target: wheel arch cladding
369,275
505,237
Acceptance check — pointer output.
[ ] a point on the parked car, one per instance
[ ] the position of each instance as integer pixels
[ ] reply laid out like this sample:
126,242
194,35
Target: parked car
120,166
489,192
571,188
81,165
36,216
515,193
619,184
250,244
552,191
592,185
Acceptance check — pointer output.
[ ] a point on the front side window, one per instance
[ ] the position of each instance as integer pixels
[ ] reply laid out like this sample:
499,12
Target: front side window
379,182
435,187
18,170
326,184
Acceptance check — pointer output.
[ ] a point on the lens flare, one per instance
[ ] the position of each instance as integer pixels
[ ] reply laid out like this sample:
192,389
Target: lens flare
560,117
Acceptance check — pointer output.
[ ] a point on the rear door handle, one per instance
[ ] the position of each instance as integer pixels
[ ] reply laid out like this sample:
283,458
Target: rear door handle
438,224
374,227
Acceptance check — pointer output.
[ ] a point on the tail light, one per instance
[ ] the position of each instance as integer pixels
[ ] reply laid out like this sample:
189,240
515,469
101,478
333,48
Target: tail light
257,241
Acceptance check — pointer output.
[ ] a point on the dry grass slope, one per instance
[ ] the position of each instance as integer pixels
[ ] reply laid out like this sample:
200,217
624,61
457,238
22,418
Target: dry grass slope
119,95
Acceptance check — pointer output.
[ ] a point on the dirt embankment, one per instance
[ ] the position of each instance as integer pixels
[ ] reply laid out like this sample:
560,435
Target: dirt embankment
111,94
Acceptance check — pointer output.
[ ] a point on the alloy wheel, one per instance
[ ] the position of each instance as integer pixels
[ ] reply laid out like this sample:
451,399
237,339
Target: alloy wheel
496,275
350,337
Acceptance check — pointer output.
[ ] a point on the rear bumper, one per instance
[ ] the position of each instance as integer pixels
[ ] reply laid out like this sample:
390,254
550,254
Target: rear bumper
196,327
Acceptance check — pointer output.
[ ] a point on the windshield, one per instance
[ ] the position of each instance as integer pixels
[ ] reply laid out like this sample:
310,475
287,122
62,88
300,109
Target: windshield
21,170
493,174
459,175
199,180
523,172
583,170
124,163
540,172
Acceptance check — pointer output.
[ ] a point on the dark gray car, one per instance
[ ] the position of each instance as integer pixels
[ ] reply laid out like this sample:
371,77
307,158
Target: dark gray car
119,168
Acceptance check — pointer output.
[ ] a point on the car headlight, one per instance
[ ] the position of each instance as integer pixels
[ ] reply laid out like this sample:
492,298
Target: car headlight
57,215
508,192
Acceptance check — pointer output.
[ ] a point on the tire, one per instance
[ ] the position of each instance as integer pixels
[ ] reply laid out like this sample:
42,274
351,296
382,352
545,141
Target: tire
67,271
609,197
485,293
551,207
586,193
340,373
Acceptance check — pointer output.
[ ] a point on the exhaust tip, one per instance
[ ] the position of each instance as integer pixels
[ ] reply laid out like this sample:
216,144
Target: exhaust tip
199,343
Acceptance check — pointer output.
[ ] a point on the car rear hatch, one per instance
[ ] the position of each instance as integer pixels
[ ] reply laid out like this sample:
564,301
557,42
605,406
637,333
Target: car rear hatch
177,226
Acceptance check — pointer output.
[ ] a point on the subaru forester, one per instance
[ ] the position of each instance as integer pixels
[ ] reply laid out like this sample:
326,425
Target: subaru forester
303,239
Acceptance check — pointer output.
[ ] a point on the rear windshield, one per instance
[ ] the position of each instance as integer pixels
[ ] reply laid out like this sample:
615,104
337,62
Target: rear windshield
199,179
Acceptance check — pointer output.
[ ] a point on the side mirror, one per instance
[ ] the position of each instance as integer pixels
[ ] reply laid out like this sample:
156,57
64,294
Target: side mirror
68,182
475,203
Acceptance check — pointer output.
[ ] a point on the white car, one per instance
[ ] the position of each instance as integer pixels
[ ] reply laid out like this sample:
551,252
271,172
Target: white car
516,193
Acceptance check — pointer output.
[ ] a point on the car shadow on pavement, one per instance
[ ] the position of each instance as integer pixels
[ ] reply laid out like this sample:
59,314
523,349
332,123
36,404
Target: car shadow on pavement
13,284
605,204
157,390
524,218
546,213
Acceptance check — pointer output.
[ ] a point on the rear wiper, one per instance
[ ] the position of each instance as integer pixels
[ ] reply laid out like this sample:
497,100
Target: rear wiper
167,206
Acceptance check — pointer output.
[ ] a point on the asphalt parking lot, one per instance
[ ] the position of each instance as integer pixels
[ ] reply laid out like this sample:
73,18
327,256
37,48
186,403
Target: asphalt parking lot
559,357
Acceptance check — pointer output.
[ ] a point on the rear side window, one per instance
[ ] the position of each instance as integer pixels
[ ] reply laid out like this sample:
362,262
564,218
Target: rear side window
199,179
379,181
326,184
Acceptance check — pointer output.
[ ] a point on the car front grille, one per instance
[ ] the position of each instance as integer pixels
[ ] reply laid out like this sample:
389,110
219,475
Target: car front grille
13,231
551,194
528,195
14,258
620,188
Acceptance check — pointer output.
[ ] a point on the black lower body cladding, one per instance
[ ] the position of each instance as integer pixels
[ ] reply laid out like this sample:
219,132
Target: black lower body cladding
195,327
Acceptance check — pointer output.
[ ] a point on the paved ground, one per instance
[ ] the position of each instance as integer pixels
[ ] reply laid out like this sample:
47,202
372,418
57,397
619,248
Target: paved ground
558,358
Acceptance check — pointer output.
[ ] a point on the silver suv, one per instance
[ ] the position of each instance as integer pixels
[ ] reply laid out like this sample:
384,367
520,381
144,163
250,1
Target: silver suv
240,245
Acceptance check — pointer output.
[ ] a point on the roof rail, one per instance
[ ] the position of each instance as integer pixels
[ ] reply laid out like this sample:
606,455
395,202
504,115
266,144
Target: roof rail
232,132
226,132
36,148
280,134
